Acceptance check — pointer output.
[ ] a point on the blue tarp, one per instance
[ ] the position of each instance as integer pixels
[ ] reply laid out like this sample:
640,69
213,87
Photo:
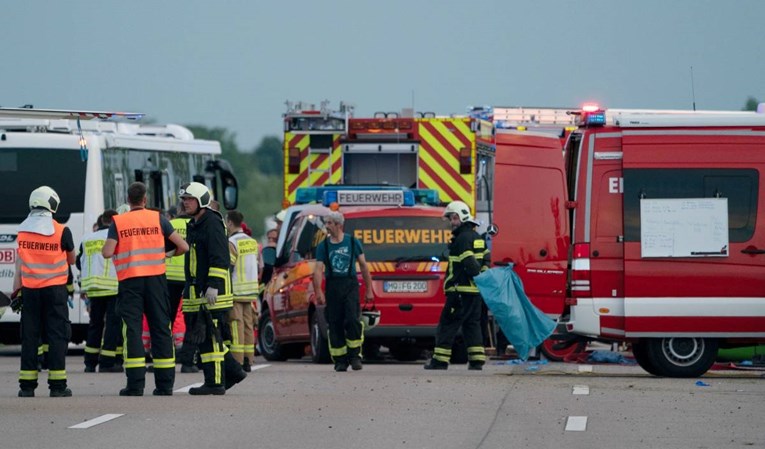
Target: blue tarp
523,324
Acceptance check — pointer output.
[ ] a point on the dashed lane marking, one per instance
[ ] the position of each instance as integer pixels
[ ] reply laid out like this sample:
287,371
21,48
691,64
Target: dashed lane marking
254,367
576,424
96,421
585,368
581,390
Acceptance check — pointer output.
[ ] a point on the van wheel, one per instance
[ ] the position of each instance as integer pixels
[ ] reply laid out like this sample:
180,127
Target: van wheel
559,355
319,342
640,351
681,356
269,347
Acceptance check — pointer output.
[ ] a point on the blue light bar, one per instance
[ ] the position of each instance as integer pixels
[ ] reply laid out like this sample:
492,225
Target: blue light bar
597,118
365,195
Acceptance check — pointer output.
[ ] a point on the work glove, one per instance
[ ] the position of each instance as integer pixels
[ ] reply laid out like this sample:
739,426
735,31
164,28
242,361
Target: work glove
212,295
16,301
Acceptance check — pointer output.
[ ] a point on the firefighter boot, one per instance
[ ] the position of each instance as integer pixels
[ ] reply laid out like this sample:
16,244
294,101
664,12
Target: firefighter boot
246,365
475,365
436,364
26,393
60,392
209,387
356,363
234,371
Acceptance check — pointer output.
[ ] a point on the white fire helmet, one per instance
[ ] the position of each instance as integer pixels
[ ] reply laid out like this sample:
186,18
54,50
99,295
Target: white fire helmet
44,197
462,210
370,316
196,190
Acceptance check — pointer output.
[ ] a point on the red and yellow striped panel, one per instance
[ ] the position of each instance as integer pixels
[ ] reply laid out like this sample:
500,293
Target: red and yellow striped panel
319,173
441,140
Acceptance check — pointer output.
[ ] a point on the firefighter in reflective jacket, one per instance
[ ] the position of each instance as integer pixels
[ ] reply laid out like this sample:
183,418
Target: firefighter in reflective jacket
467,254
176,283
98,282
46,249
208,291
137,240
244,279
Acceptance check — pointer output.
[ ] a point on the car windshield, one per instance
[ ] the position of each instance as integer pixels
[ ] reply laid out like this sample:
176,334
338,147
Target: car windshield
401,239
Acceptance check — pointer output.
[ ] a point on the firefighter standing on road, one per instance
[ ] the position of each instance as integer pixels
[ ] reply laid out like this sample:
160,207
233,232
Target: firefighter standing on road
208,289
339,253
98,280
462,308
46,249
244,279
137,240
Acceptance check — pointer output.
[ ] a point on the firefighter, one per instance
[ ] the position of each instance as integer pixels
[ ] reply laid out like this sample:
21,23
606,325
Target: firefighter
176,282
339,253
244,280
208,290
98,284
467,254
137,240
45,250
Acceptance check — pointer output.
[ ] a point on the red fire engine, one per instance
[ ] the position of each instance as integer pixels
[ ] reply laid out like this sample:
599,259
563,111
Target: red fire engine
650,229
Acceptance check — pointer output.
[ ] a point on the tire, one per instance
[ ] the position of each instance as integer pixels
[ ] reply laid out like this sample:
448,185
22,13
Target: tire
640,351
406,352
319,341
682,356
559,355
269,347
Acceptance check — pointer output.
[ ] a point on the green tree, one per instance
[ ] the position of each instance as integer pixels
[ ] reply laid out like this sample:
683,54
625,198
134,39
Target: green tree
751,104
269,156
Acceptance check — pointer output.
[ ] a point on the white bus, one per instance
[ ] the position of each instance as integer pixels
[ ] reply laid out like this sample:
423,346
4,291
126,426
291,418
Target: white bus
89,159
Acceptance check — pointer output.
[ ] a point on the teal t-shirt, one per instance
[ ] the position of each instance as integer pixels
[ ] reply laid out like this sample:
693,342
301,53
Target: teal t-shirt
339,260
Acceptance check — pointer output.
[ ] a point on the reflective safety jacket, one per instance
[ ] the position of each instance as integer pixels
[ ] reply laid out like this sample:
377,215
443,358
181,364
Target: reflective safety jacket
466,255
207,263
98,276
140,247
244,267
43,260
175,264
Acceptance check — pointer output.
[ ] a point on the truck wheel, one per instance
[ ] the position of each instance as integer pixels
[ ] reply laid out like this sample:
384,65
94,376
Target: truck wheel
269,347
406,352
319,342
682,356
640,351
559,355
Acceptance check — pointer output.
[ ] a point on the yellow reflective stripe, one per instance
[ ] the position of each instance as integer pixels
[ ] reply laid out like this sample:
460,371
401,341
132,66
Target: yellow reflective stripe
223,302
249,348
89,350
164,363
245,298
212,357
466,289
101,293
442,354
353,344
28,375
57,374
336,352
135,362
464,255
217,272
106,353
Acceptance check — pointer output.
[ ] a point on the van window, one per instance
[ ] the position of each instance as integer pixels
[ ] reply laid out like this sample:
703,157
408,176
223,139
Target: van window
739,186
388,239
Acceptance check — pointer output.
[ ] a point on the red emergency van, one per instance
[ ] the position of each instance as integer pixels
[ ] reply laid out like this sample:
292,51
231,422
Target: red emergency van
650,228
404,244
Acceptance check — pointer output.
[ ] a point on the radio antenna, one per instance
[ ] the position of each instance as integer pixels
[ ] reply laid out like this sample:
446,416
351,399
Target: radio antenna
693,90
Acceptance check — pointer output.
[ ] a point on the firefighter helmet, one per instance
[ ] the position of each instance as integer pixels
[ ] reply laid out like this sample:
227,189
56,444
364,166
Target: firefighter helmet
281,215
462,210
370,316
44,197
196,190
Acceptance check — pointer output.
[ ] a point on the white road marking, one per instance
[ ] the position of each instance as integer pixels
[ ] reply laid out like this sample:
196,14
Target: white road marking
581,389
576,424
96,421
585,368
188,387
254,367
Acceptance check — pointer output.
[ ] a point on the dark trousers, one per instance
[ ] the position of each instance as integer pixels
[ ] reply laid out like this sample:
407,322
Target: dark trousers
139,296
187,351
104,333
460,310
175,292
44,311
343,314
217,361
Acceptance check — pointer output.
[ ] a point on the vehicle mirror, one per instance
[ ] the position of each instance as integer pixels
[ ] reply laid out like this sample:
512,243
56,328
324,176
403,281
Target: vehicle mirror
230,199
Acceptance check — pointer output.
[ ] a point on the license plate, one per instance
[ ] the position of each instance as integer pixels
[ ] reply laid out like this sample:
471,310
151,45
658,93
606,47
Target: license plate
405,286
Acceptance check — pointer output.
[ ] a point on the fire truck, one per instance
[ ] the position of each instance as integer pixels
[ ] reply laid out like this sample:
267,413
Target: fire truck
90,158
649,230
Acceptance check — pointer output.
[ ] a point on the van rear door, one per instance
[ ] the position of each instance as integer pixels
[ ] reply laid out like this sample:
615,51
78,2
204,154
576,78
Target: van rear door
530,212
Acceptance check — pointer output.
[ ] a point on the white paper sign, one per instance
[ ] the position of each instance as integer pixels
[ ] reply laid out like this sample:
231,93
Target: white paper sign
684,227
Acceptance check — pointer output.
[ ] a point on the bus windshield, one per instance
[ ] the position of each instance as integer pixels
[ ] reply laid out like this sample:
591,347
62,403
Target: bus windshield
25,169
401,239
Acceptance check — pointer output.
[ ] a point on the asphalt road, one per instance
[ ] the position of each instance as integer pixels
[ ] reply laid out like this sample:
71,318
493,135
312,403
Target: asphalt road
298,404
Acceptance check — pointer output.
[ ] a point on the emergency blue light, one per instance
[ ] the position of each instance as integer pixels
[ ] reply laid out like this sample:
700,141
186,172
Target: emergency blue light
596,118
426,196
366,195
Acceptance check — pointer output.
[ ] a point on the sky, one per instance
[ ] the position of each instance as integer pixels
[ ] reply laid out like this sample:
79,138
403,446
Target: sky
233,64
